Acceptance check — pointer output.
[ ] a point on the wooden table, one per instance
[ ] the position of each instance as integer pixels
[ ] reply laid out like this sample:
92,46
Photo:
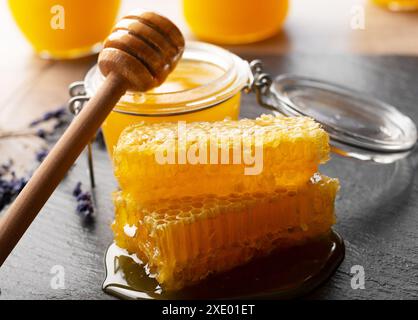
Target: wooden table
377,219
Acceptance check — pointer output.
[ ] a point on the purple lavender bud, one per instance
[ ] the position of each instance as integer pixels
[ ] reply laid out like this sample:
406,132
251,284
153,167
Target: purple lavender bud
77,190
59,112
5,168
35,123
85,206
56,114
85,196
41,155
48,115
11,186
19,184
82,206
59,124
41,133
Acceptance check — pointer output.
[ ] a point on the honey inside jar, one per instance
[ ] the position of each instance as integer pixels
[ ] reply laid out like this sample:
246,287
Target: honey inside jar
398,5
188,75
63,29
205,86
235,21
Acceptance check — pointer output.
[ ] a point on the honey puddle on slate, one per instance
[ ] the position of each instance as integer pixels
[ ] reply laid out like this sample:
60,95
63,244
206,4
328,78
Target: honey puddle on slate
284,274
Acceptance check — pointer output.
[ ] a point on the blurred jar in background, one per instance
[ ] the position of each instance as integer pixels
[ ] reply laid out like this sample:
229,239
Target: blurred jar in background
398,5
65,29
235,21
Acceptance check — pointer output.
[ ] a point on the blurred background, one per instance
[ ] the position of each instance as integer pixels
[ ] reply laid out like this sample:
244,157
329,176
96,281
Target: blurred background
310,26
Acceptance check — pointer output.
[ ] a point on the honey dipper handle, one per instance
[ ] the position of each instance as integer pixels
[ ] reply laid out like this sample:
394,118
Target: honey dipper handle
53,169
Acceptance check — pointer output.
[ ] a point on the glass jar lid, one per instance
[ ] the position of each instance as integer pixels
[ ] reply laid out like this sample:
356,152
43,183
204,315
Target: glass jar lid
358,124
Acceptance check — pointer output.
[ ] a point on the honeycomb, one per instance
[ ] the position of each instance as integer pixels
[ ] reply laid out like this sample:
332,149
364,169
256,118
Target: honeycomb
186,239
292,149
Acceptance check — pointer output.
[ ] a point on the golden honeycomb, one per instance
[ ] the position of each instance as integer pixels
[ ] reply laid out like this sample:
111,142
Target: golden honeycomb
292,149
186,239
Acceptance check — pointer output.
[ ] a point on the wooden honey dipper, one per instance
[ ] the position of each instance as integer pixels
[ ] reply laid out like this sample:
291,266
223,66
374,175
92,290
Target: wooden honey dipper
139,54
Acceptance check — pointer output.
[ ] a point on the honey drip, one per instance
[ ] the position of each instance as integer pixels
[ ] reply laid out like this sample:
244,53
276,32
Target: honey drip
284,274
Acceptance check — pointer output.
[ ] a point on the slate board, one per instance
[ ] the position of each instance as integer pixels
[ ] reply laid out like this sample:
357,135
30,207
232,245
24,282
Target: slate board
377,208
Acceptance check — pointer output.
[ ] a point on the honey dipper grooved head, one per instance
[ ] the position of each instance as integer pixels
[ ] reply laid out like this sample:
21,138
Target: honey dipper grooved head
143,49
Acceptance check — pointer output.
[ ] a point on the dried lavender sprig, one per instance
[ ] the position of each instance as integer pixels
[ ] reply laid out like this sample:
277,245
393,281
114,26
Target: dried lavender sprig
41,155
85,206
77,190
10,185
41,133
61,117
6,167
56,114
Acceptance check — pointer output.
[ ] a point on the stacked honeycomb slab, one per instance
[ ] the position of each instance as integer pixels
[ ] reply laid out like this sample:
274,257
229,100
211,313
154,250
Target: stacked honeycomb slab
213,217
292,150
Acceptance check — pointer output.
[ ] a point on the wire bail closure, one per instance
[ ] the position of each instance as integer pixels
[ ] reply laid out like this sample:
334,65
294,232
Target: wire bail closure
260,84
75,105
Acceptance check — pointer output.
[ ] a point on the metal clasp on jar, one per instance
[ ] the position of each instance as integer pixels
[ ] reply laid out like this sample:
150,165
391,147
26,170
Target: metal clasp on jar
260,84
79,97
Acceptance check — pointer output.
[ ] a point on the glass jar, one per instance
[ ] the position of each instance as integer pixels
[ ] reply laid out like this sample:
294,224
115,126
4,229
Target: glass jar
398,5
65,29
205,86
235,21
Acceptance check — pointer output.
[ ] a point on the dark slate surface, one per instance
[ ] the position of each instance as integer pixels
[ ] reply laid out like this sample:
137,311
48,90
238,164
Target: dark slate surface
377,208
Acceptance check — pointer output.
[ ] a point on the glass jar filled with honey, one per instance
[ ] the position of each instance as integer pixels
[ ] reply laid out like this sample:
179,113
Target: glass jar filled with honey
65,29
235,21
398,5
205,86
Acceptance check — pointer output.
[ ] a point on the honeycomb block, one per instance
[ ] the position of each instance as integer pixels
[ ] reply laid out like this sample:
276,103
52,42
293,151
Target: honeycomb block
289,151
185,240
